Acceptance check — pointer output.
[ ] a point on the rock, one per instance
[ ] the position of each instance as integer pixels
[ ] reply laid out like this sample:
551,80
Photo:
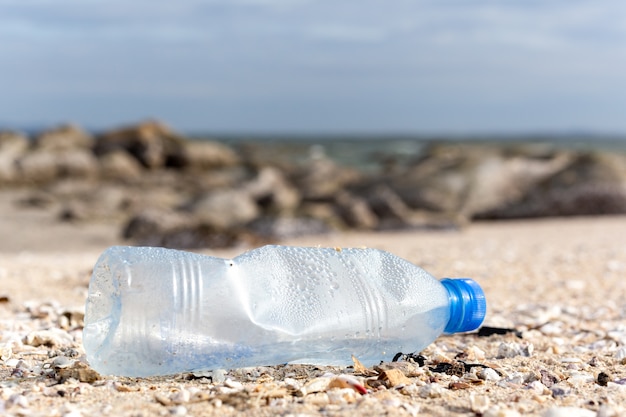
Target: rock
12,146
488,374
202,155
52,337
63,138
479,403
568,412
8,169
200,237
393,213
46,166
468,180
81,202
501,180
388,206
149,226
592,183
355,211
497,411
38,167
394,377
13,143
79,371
273,192
287,227
76,163
438,180
225,209
323,179
119,165
432,390
176,230
513,349
151,143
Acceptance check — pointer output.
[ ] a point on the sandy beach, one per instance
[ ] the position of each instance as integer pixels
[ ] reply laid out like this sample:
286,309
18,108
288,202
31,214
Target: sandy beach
557,282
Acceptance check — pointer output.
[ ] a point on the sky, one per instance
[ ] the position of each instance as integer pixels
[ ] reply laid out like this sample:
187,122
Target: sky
316,66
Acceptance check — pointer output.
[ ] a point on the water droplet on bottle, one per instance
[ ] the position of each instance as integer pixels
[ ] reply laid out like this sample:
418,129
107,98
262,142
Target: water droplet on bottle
334,285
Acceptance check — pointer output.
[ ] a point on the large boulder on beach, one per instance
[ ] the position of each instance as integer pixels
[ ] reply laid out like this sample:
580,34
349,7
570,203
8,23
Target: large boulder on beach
13,143
119,165
355,211
203,155
592,183
501,180
224,209
394,213
466,180
46,165
273,191
151,143
322,178
12,146
58,153
82,202
64,137
177,230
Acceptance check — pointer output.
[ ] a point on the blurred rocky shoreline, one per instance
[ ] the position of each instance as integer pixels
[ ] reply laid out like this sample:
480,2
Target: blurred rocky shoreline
163,189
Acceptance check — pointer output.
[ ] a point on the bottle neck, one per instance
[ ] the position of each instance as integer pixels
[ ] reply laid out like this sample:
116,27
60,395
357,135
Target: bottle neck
467,305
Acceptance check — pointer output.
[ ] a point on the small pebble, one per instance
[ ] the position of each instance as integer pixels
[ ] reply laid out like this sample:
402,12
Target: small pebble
69,410
342,396
512,349
218,376
432,390
12,363
394,377
501,412
516,378
569,412
488,374
180,397
603,379
51,337
18,400
559,392
5,352
236,385
580,378
291,384
479,403
620,354
319,384
61,362
179,410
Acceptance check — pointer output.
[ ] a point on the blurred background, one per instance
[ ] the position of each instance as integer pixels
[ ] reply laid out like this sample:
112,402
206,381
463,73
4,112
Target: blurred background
305,116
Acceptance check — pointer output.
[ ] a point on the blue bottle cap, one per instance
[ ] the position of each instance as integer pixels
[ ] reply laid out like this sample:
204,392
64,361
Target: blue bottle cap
467,305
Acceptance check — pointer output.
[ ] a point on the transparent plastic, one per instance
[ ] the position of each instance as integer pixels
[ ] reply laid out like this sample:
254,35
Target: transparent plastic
155,311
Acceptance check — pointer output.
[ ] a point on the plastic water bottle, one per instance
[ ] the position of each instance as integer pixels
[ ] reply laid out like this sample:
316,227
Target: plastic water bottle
155,311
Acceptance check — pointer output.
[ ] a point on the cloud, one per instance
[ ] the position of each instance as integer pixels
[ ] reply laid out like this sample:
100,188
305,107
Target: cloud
309,54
